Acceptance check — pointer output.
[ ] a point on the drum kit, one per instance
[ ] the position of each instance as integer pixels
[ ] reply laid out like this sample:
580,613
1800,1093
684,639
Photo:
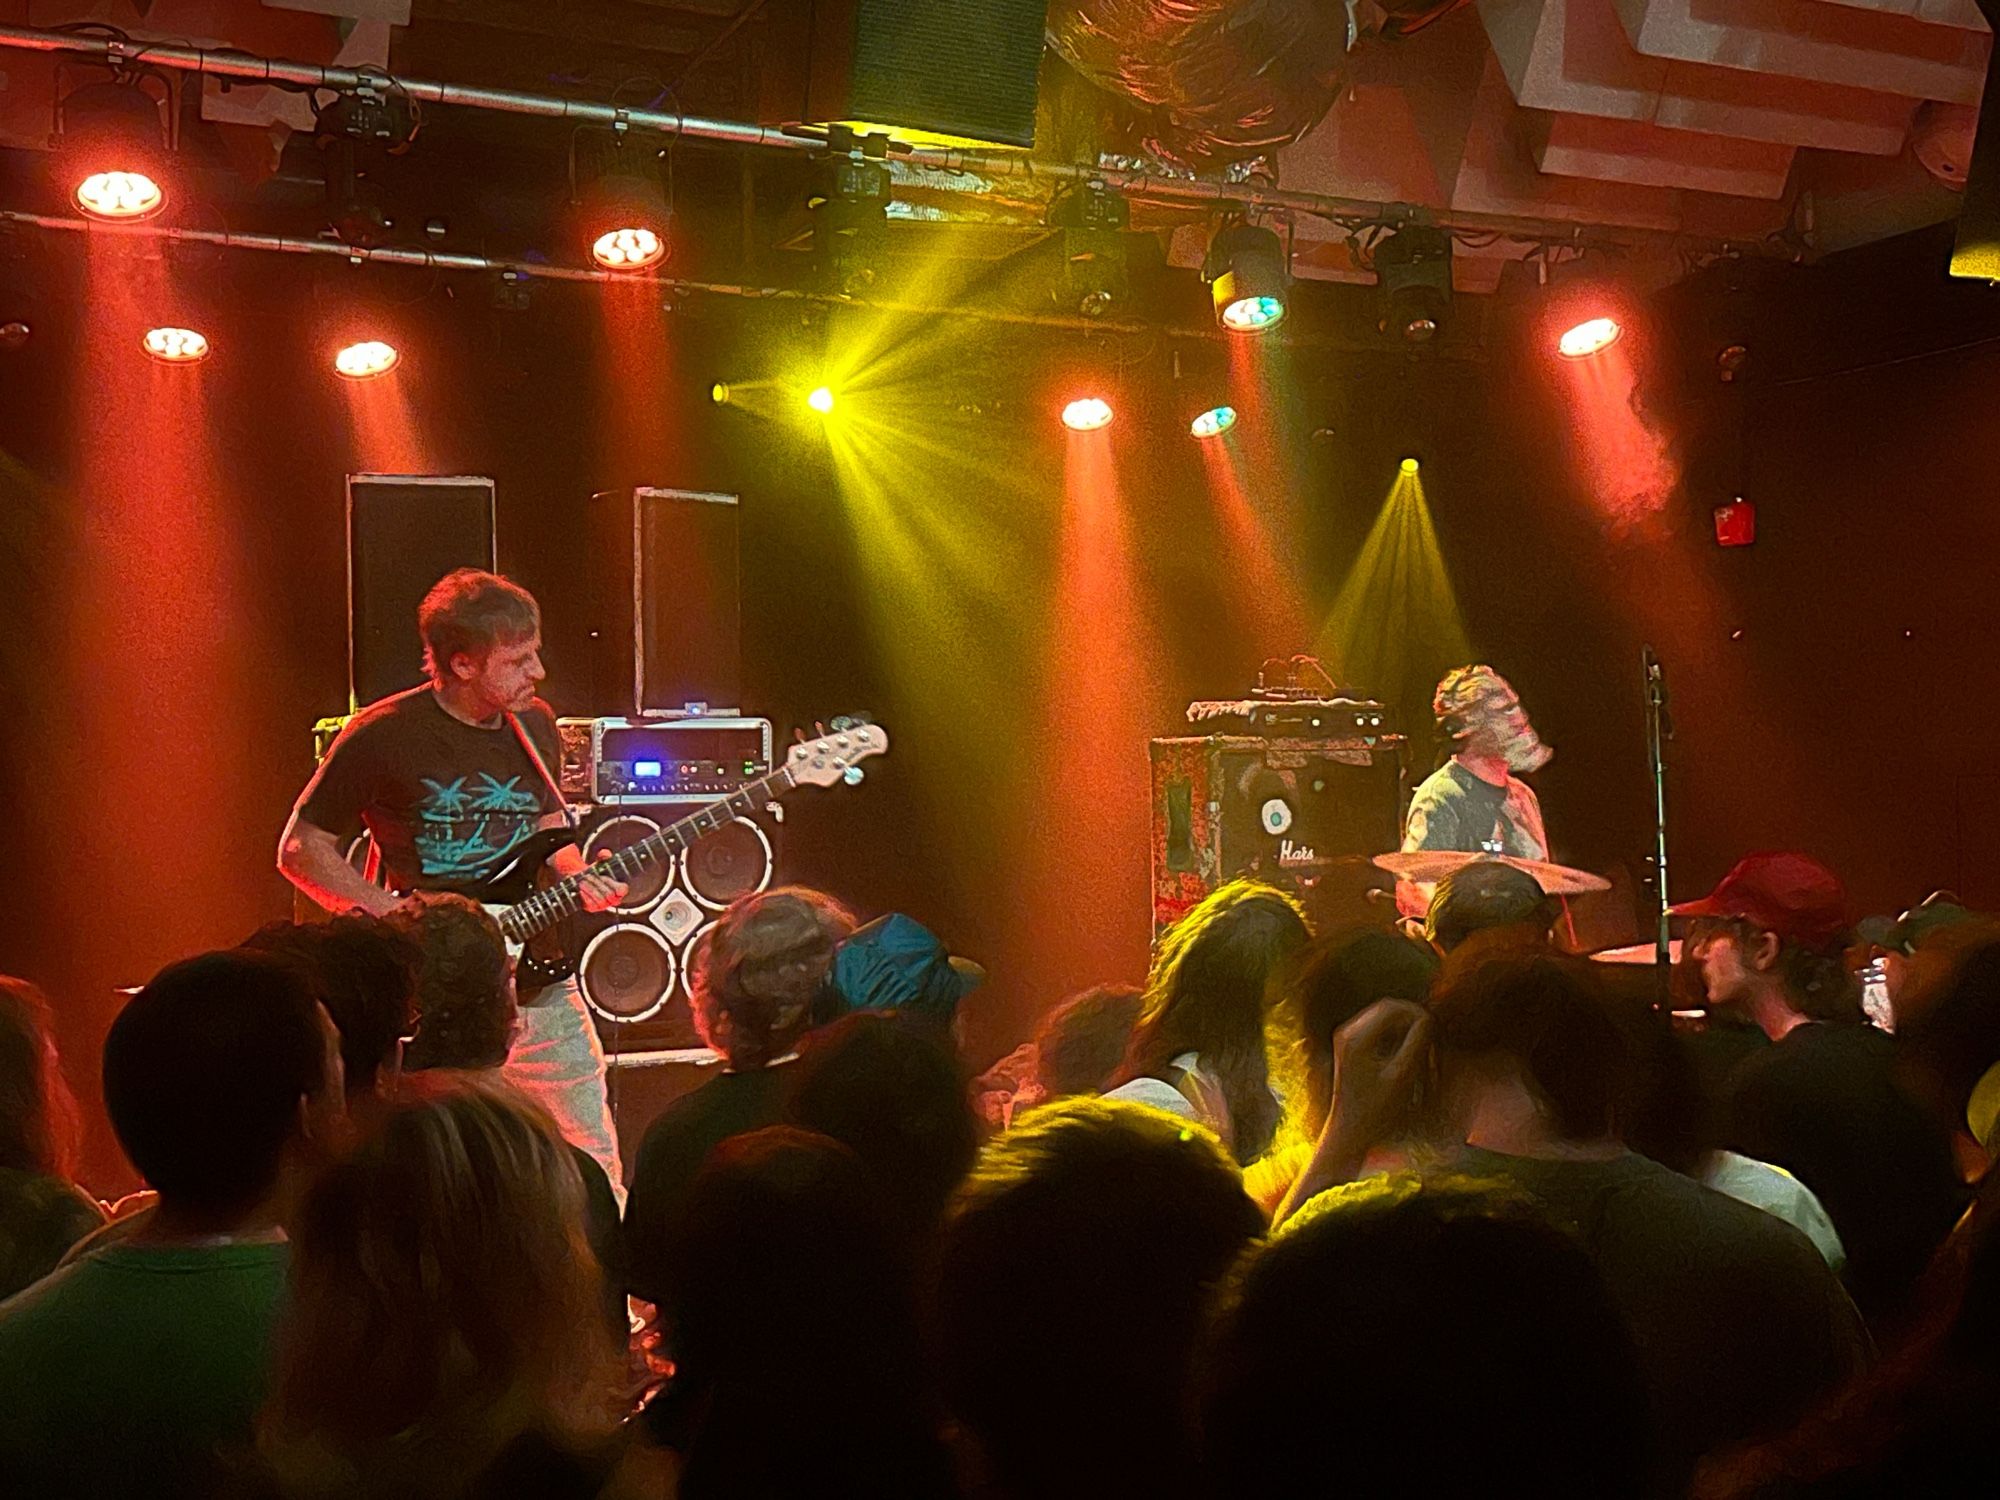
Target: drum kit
1428,866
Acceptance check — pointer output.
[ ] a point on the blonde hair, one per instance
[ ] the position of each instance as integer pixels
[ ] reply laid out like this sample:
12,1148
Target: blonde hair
755,974
444,1301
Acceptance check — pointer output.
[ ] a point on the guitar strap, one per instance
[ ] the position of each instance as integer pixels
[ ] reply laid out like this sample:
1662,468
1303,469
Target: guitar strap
542,767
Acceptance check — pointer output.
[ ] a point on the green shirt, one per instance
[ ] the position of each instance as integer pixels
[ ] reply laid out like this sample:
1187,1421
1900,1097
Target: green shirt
122,1372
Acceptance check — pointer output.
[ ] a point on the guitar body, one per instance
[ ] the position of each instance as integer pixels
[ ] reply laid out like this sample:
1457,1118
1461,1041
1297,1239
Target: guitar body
546,959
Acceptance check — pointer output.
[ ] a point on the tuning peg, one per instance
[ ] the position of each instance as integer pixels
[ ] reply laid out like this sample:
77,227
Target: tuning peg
853,775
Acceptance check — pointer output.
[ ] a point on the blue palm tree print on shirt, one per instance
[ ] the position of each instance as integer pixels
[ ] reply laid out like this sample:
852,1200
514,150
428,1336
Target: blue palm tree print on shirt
465,825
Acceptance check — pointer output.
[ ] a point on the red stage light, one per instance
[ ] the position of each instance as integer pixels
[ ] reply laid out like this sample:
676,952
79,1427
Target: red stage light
119,195
1735,523
628,249
1586,338
1087,414
365,360
176,346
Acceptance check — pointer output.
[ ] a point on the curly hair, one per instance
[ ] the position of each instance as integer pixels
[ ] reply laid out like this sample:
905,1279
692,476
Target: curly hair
469,612
755,973
465,1000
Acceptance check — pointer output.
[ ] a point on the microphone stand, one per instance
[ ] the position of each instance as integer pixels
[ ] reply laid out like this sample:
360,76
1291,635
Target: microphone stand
1659,729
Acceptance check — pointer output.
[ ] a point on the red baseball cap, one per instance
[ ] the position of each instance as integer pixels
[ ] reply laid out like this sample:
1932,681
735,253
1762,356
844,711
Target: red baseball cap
1796,897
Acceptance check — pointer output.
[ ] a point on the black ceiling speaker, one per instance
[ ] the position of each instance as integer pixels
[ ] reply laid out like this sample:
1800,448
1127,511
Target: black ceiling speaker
930,72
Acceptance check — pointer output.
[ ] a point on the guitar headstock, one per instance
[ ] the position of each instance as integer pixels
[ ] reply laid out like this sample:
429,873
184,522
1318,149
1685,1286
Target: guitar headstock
836,756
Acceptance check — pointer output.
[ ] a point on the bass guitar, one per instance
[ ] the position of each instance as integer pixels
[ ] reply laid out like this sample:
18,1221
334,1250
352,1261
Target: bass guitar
529,914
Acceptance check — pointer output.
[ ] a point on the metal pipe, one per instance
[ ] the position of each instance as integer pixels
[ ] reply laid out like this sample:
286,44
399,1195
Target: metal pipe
540,271
1147,186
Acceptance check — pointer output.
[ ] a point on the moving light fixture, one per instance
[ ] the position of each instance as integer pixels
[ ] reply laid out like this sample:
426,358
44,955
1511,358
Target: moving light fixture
176,346
371,120
1213,422
1413,268
1408,467
366,359
850,209
1247,275
111,140
820,399
1087,414
1090,223
622,204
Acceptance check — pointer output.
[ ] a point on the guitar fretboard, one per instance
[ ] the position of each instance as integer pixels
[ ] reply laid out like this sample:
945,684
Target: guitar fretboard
564,899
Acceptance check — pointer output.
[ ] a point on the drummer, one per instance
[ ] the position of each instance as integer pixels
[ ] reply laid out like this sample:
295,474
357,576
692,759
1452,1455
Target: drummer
1476,801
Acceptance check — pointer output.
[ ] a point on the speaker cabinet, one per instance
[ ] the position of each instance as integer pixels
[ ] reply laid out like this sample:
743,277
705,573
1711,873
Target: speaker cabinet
673,622
942,72
634,959
404,533
1293,813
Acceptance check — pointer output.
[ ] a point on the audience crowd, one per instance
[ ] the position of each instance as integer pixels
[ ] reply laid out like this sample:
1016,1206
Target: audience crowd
1397,1210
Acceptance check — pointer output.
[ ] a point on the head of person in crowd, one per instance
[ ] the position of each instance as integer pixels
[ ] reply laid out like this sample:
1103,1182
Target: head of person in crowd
1213,984
1342,974
1079,1044
1533,1029
444,1302
1489,907
1921,952
1479,714
800,1369
465,1000
1422,1339
758,972
1091,1234
222,1078
895,963
886,1086
363,970
1771,943
40,1127
1952,1048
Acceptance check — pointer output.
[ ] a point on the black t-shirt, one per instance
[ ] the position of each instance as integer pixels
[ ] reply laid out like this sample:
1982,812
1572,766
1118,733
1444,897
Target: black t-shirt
1824,1104
1738,1322
675,1146
445,800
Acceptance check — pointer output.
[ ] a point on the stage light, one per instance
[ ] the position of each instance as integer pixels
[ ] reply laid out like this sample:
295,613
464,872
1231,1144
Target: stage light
1588,337
1413,268
622,207
14,334
1213,422
365,360
111,140
1087,414
630,249
369,119
1246,272
850,209
176,346
1090,221
1408,466
719,393
821,400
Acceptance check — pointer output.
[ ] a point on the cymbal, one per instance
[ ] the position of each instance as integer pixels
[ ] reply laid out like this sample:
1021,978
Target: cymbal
1430,865
1638,953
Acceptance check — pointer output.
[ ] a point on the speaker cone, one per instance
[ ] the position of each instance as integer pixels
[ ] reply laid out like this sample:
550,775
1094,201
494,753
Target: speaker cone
733,861
622,832
627,973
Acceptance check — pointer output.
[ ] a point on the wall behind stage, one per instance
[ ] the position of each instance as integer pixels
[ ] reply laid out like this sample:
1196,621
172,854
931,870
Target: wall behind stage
1832,685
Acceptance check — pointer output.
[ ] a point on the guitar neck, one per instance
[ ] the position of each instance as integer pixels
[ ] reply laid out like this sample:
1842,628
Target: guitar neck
564,899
